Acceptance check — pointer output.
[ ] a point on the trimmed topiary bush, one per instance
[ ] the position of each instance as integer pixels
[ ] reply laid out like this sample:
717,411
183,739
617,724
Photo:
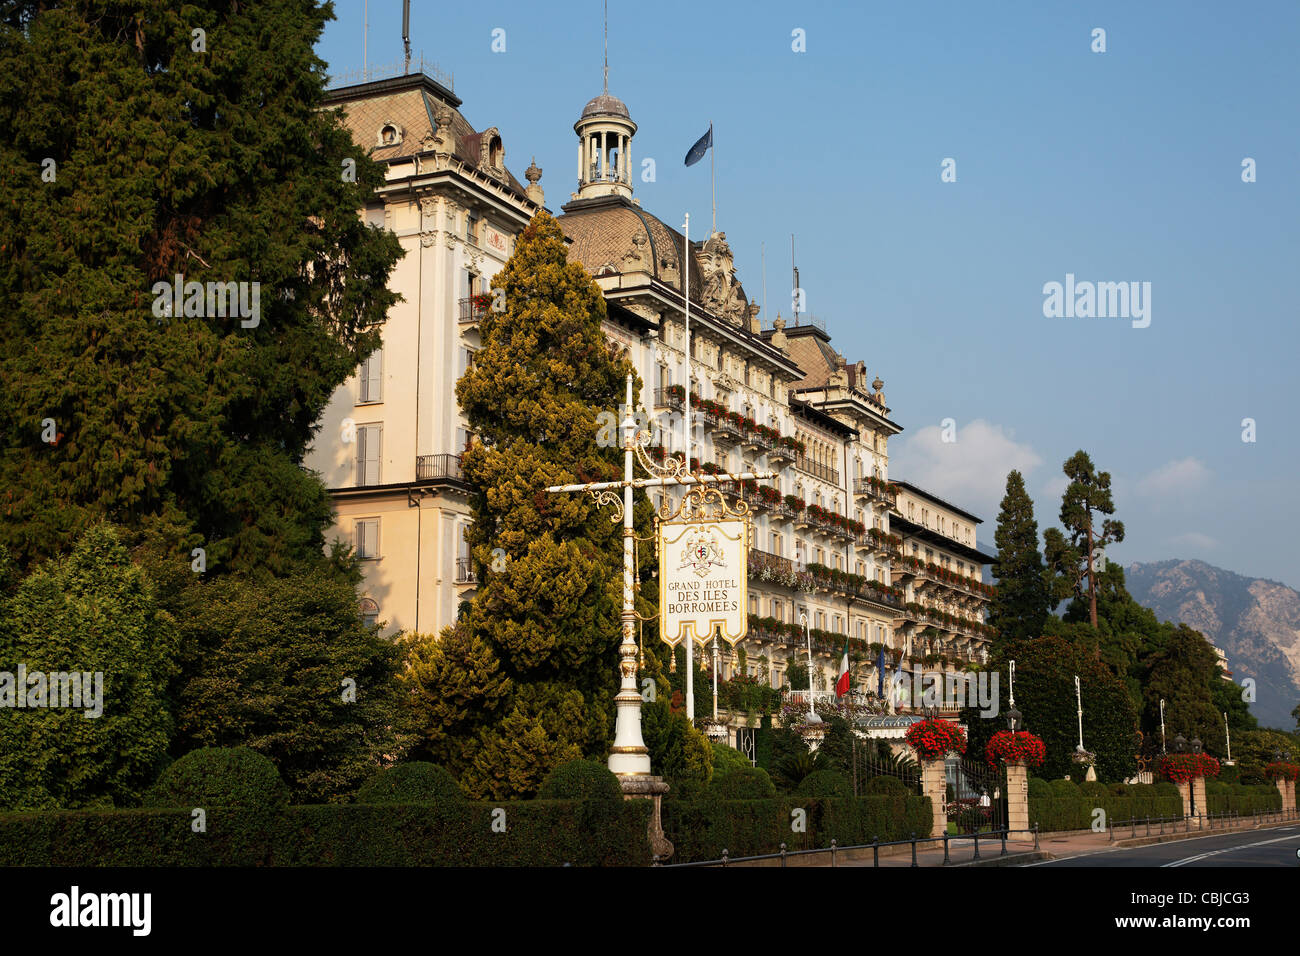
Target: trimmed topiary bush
1092,788
219,777
727,759
887,785
1064,788
1039,789
823,784
751,783
580,780
415,782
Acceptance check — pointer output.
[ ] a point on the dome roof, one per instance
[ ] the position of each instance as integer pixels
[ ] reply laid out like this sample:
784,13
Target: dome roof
605,105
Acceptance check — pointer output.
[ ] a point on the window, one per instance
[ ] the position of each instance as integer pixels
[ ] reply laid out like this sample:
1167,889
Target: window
753,604
777,544
471,227
371,379
466,361
369,445
369,612
821,621
365,538
862,568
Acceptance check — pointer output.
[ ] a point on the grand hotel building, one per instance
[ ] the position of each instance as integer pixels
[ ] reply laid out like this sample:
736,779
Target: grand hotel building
862,556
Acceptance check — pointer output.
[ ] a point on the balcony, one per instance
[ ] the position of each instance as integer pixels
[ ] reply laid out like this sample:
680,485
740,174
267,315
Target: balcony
465,571
879,493
818,470
725,431
473,308
438,467
670,397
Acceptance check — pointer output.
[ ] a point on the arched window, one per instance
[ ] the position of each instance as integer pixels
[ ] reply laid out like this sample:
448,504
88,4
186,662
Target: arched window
369,612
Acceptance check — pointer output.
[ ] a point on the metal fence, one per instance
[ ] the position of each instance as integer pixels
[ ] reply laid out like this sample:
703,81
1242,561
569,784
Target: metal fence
875,846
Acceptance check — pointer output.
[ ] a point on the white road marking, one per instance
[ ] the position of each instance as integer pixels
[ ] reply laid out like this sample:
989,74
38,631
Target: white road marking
1229,849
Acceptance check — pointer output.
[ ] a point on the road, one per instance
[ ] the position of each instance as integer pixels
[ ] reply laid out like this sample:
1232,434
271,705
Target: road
1268,847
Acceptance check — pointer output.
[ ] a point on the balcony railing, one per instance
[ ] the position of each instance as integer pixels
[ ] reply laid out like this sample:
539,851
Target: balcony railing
818,470
465,571
473,308
433,467
668,398
874,492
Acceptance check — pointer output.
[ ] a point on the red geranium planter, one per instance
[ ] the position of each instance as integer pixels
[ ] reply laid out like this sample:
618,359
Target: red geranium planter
934,738
1180,768
1281,770
1020,747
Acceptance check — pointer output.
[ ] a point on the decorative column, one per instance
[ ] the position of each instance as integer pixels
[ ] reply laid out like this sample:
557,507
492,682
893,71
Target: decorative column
1287,789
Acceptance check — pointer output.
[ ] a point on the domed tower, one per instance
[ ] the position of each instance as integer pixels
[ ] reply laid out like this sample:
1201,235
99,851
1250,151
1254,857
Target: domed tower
605,133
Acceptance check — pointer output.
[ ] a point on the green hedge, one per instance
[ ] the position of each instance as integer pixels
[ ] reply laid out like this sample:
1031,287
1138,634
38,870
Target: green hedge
1076,813
451,833
702,829
1241,799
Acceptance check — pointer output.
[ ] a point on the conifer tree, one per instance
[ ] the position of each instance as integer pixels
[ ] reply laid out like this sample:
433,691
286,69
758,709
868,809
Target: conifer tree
1074,555
142,140
543,630
1022,602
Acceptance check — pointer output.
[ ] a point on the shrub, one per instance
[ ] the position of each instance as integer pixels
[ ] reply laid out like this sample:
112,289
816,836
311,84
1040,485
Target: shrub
219,777
885,785
580,780
823,784
415,782
1039,789
449,833
727,759
750,783
1064,788
1091,788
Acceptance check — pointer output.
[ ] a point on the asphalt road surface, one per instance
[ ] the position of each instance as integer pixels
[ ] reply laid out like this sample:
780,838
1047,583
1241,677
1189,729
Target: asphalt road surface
1276,846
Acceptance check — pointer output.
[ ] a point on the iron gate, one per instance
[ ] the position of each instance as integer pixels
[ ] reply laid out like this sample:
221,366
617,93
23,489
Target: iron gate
979,795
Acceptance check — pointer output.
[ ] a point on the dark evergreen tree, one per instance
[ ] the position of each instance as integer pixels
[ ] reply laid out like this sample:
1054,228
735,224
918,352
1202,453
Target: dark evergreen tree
1182,672
1023,600
544,626
1075,554
137,149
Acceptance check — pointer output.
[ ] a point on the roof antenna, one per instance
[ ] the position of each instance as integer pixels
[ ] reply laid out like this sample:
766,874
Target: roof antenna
406,34
606,90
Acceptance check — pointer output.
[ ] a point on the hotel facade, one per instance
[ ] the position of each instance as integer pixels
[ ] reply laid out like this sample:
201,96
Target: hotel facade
862,557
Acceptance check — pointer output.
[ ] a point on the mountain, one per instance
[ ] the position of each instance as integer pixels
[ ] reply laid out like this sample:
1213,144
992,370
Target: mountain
1254,620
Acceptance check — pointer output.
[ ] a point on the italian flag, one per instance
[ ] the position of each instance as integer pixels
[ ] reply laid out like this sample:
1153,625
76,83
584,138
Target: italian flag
842,685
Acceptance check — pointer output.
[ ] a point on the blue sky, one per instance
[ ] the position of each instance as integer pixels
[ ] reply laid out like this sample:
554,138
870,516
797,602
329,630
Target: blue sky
1115,166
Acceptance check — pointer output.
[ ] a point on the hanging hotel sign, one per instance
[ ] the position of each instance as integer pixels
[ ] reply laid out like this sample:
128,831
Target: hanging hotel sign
702,571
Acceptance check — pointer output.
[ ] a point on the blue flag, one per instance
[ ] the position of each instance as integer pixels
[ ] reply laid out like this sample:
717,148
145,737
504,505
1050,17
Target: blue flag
700,148
880,673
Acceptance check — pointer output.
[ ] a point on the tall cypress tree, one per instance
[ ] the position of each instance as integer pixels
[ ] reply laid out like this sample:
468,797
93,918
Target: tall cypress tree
143,140
1020,607
544,628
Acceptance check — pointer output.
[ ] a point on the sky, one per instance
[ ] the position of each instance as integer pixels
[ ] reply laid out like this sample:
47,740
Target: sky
1122,165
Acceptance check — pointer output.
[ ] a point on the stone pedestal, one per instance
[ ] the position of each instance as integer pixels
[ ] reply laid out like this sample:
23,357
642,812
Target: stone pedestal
1198,797
1185,791
1287,789
1017,797
645,787
934,784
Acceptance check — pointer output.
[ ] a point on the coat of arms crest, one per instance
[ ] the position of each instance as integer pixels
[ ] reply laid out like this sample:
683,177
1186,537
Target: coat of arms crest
702,553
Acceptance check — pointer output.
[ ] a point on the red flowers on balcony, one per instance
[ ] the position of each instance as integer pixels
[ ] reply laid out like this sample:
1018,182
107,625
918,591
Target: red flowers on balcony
1020,747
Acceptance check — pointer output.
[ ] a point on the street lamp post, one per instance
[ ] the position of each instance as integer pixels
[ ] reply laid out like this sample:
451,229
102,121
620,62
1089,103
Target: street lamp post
1078,696
715,674
812,714
1227,736
1162,726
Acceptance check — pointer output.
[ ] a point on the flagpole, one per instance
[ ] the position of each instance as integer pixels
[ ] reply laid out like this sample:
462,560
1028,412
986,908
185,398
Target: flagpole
713,174
686,291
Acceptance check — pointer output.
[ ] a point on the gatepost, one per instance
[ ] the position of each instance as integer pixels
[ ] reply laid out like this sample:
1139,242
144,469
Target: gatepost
1198,797
934,784
1017,797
